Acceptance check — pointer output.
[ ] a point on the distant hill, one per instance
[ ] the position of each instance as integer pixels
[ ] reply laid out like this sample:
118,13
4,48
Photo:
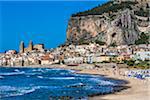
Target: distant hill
115,22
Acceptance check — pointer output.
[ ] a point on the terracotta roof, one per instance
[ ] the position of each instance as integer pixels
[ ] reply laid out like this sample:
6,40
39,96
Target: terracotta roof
46,57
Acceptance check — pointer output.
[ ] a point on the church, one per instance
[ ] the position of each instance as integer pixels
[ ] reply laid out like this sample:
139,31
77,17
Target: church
31,47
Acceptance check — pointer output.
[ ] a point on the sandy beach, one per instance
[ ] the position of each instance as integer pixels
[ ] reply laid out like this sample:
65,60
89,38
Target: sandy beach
138,89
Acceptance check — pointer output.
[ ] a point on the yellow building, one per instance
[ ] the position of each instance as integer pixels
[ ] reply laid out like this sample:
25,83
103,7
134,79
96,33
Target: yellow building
120,58
123,57
102,58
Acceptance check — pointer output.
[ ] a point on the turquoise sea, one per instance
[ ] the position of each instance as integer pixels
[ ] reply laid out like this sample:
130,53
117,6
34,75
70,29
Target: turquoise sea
52,84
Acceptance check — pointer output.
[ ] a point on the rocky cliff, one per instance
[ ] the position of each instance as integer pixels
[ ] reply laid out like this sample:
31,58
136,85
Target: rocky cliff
116,22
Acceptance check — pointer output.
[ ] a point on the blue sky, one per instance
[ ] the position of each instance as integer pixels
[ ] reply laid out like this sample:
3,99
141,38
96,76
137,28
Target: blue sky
40,21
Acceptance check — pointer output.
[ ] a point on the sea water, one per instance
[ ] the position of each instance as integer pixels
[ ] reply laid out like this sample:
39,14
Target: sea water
51,84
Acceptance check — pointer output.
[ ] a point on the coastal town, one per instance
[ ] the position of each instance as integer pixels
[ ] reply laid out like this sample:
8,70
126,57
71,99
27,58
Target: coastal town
74,54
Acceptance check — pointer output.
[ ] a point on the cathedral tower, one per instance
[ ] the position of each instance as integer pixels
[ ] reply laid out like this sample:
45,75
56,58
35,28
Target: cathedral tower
30,47
21,47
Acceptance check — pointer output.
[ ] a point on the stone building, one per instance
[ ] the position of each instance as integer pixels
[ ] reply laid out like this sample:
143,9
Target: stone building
31,47
21,47
39,47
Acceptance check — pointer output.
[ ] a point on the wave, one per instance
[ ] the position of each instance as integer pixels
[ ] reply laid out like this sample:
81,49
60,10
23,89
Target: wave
38,70
59,69
16,70
38,80
106,83
9,91
1,77
12,73
102,82
40,77
62,78
75,85
87,76
32,74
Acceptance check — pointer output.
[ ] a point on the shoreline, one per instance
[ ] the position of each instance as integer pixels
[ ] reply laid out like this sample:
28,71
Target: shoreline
138,89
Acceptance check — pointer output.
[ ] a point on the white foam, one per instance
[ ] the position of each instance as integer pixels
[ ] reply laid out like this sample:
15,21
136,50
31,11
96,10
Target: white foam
12,73
76,84
1,77
8,91
62,78
59,69
38,70
34,73
28,76
102,82
6,88
40,77
46,87
16,70
106,83
34,70
72,71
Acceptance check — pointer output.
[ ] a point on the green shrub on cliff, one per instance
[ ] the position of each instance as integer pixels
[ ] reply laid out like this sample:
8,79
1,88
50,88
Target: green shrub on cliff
144,39
113,44
142,12
83,42
99,42
106,8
